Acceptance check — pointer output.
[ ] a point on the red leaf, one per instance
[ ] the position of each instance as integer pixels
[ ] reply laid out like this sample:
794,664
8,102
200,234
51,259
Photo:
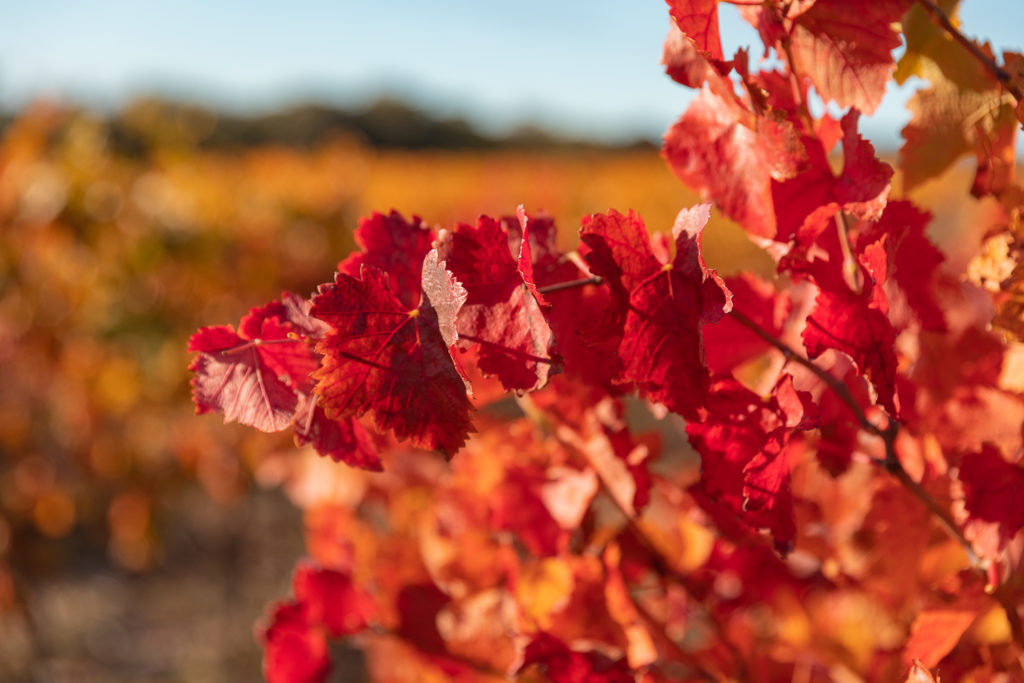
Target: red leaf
742,445
727,343
698,20
502,316
663,306
856,324
343,440
915,259
252,376
993,491
861,189
394,245
709,150
394,363
713,150
330,599
293,652
845,48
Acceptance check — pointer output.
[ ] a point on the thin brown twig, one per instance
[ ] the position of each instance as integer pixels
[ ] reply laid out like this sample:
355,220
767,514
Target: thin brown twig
559,286
936,14
834,384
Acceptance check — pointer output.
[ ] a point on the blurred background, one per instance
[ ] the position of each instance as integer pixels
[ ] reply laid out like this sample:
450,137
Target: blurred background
165,166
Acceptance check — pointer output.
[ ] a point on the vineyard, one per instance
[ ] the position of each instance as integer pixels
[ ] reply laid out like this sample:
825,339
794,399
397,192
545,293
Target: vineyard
747,408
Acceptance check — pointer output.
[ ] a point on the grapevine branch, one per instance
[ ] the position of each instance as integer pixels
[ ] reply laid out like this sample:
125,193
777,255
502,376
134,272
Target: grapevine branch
939,17
892,464
559,286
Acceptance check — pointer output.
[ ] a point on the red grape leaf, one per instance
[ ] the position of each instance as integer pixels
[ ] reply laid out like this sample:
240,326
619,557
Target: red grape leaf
727,343
344,440
993,491
861,189
663,306
914,258
698,20
326,603
714,149
742,444
683,62
253,376
845,48
330,599
856,324
293,652
391,362
394,245
501,314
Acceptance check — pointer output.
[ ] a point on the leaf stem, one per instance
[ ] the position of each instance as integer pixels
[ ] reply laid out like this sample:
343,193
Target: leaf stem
851,269
939,17
582,282
834,384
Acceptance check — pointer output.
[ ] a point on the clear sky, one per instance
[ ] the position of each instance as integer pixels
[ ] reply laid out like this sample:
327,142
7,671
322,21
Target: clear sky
585,68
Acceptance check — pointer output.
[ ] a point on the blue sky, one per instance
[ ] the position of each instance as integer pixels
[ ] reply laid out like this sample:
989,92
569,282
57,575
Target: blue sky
584,68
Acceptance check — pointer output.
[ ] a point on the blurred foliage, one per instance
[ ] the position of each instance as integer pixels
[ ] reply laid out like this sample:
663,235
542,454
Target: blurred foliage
122,235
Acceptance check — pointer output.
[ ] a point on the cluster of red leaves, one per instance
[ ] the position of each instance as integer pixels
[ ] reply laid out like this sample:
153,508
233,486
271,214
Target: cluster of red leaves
549,545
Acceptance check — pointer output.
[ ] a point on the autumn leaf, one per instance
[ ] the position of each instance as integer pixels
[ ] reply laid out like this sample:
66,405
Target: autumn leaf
394,245
252,376
861,188
293,652
698,20
928,45
502,315
727,343
743,447
344,440
715,149
845,48
663,305
393,363
947,123
937,629
326,603
993,493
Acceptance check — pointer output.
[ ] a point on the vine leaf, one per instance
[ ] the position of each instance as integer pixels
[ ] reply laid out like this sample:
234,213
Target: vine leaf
261,376
391,362
395,245
252,376
662,305
327,603
848,60
993,496
502,315
698,20
743,444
